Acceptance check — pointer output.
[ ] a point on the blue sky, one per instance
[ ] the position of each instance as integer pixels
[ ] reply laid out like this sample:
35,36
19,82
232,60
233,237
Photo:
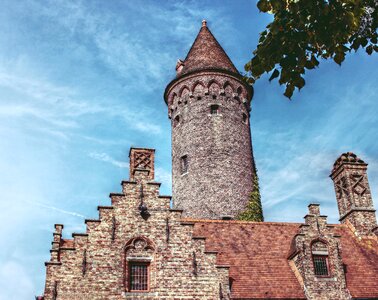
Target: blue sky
82,81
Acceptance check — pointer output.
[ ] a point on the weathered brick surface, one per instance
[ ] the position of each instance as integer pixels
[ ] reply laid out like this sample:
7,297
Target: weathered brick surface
353,193
215,259
95,267
314,237
218,146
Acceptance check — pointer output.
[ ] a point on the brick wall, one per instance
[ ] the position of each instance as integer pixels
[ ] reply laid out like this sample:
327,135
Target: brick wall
94,265
218,147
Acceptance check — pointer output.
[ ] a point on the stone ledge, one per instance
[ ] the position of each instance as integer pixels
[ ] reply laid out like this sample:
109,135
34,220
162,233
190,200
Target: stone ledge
211,252
356,209
79,234
91,220
116,194
198,238
153,183
223,266
104,207
67,249
53,263
128,182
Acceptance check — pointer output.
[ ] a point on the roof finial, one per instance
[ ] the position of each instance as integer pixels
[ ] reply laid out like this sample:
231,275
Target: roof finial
204,23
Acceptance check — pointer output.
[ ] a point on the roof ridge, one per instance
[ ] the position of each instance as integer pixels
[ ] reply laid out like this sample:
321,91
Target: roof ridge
239,222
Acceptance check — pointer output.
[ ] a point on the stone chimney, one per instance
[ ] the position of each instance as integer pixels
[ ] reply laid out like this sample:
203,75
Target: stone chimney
353,193
142,164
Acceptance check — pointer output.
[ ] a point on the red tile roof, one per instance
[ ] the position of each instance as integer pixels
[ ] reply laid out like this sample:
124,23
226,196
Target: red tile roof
65,243
257,254
207,53
361,259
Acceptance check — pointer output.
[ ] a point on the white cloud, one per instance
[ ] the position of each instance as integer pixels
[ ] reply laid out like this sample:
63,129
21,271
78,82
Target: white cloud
71,213
163,176
106,158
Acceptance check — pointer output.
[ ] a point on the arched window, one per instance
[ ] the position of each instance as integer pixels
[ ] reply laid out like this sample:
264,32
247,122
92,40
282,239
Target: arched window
319,251
139,253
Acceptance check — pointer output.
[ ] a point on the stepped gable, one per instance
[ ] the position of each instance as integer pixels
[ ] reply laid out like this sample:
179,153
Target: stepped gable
206,53
348,157
257,253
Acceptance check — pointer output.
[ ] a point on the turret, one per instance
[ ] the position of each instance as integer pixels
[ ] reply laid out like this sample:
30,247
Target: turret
209,107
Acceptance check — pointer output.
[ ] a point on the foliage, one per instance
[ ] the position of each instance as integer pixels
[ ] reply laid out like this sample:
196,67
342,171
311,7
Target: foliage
305,31
253,212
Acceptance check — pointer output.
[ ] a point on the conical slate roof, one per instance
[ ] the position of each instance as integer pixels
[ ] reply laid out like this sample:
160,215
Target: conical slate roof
206,53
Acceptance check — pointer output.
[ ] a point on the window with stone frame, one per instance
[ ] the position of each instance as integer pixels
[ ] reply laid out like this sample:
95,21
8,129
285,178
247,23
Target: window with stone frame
319,252
214,109
138,276
139,257
184,164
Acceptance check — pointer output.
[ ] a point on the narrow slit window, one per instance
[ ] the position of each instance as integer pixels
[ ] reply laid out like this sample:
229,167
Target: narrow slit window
176,121
139,276
214,109
184,164
321,265
245,118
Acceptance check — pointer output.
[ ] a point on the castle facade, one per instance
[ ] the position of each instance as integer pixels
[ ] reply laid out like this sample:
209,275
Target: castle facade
142,247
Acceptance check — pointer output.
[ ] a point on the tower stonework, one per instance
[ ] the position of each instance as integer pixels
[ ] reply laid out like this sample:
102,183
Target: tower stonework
353,193
209,107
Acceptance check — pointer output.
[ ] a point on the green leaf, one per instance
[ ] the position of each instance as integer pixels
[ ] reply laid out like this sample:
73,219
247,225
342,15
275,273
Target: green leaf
264,5
289,90
274,74
339,58
369,49
299,82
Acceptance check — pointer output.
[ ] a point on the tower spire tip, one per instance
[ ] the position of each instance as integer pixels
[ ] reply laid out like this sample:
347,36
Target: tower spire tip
204,23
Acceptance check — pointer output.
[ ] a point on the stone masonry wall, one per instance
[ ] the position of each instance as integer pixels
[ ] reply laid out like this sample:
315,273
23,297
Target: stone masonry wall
218,147
353,194
317,237
94,265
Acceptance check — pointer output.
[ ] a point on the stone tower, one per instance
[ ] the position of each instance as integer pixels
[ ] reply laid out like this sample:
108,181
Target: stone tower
209,106
353,193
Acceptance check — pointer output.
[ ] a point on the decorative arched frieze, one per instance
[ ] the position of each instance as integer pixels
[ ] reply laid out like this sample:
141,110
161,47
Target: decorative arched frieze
184,91
228,89
198,89
214,87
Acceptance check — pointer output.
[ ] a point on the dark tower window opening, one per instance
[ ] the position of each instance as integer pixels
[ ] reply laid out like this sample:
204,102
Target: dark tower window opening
184,164
176,121
214,109
245,119
138,276
214,97
199,98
